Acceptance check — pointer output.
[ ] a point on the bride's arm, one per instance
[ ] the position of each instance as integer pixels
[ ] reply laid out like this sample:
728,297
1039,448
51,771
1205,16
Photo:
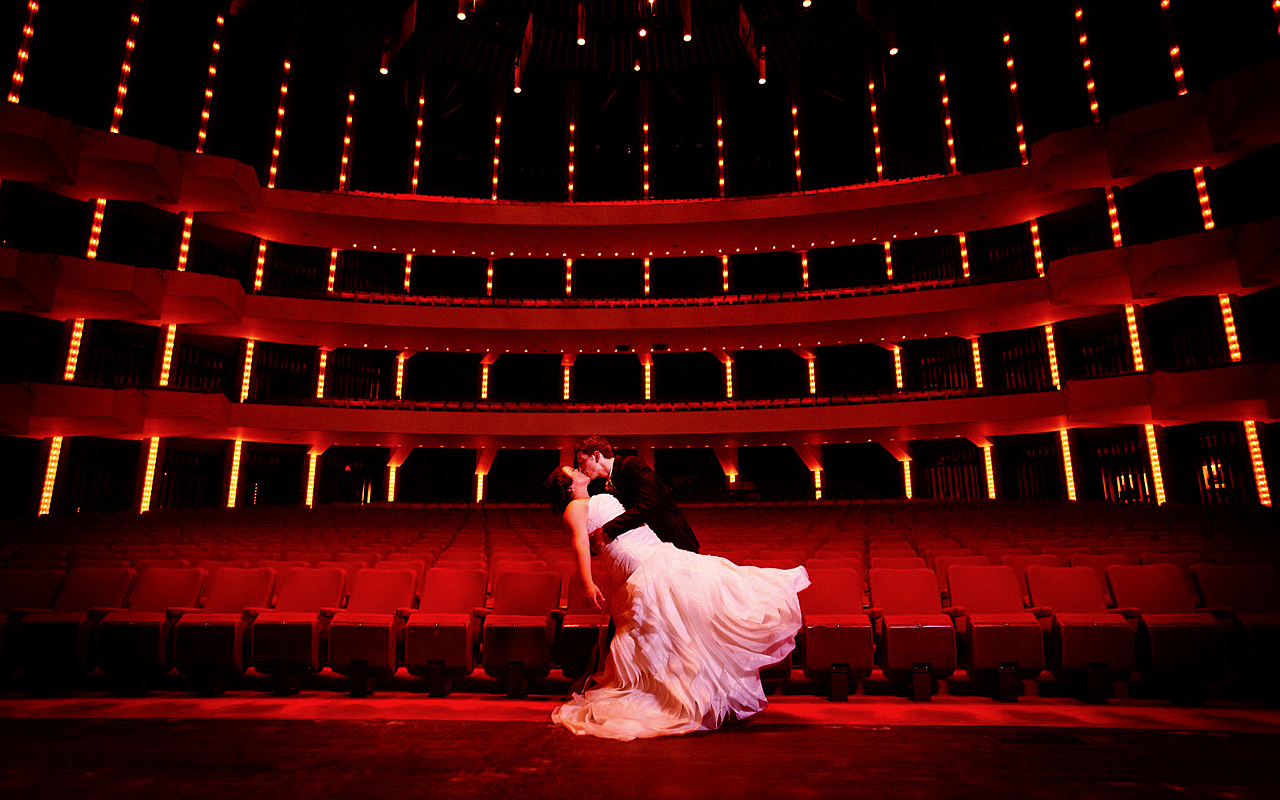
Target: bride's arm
575,519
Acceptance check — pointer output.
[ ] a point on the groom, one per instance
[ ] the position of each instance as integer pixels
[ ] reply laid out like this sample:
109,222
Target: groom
641,492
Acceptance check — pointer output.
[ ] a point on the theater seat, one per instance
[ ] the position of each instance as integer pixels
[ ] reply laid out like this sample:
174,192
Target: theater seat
364,637
1247,597
1019,563
942,563
31,589
518,631
837,634
209,643
286,639
581,627
1099,563
998,638
134,643
441,639
899,562
914,639
53,645
1086,641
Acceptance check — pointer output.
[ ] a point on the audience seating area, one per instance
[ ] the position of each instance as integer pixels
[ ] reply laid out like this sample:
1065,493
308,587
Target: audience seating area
994,599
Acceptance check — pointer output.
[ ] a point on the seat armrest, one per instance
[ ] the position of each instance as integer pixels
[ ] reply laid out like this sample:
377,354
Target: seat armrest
479,612
175,613
17,614
1128,612
1041,611
875,613
1221,612
404,613
955,612
251,613
327,612
98,612
557,615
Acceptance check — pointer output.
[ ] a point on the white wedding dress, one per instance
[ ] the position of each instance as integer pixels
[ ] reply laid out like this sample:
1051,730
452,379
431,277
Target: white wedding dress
692,633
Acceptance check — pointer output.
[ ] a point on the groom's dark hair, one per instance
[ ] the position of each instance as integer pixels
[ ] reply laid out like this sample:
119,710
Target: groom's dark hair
593,444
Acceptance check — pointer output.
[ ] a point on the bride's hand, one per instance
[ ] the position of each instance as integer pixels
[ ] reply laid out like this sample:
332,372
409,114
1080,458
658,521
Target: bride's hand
594,595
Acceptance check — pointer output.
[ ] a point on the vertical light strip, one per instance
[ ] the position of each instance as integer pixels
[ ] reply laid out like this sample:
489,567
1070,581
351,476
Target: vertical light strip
333,270
148,480
888,262
817,484
720,151
1229,326
346,142
479,488
484,381
568,277
573,146
724,273
644,143
50,475
795,140
234,483
964,255
324,362
648,381
247,371
1175,53
977,363
1135,344
417,141
1275,10
497,149
279,132
813,377
73,351
408,270
946,121
1035,246
184,249
488,278
311,478
565,371
646,277
728,378
875,129
1113,214
391,483
1013,93
95,230
24,50
1255,458
1202,190
990,471
804,268
400,359
1087,63
126,66
166,360
207,109
1154,453
1070,474
906,477
262,263
1053,356
897,366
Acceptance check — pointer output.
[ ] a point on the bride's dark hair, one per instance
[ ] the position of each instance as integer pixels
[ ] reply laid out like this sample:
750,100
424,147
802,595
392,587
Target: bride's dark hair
559,488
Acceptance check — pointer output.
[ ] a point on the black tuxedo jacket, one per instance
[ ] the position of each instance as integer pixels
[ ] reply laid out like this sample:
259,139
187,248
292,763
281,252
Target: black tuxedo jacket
648,502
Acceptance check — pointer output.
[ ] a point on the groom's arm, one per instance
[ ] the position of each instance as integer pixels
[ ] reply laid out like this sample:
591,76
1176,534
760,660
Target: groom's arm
642,478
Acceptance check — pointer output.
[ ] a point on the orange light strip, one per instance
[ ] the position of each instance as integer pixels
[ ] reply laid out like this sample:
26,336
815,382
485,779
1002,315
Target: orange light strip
648,381
565,370
1088,65
24,50
484,381
897,366
724,273
906,477
417,142
568,277
1135,344
234,483
408,270
573,137
400,358
73,350
208,86
247,371
733,478
1255,458
279,133
184,249
166,360
1053,356
1065,441
1114,215
126,66
813,377
1202,189
1229,326
1035,246
1275,9
149,478
977,363
311,478
95,230
324,361
946,121
875,129
488,279
479,488
990,470
817,484
346,141
804,268
728,378
720,151
1013,92
262,263
333,269
964,255
1175,53
888,262
646,277
644,140
795,140
1153,451
50,475
497,145
391,483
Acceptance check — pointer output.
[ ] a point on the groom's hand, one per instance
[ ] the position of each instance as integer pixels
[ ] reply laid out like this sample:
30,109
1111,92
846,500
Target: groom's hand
598,542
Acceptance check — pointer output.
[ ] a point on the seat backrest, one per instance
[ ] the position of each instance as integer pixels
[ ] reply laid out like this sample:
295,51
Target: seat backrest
985,589
281,564
350,568
144,564
794,554
418,568
998,553
1067,590
1184,561
1244,588
905,591
1065,553
94,587
832,591
106,562
211,566
1019,563
575,599
943,563
1099,562
426,555
932,554
234,589
167,587
309,556
531,593
1151,588
310,589
366,556
834,562
382,591
898,562
28,588
453,591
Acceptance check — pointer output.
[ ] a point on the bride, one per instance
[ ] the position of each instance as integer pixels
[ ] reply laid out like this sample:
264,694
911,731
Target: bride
692,630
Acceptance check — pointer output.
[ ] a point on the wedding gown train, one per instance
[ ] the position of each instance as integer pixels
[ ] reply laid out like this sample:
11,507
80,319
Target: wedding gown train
692,633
